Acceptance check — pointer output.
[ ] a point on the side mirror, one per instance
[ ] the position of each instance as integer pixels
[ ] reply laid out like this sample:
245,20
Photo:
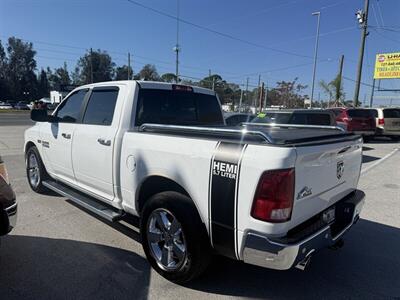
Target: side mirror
40,115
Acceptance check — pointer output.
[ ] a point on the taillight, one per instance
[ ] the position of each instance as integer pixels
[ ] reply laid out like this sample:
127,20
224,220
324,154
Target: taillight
3,172
273,201
381,121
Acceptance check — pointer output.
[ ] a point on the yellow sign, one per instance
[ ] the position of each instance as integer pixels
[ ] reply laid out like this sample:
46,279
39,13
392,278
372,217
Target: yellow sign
387,66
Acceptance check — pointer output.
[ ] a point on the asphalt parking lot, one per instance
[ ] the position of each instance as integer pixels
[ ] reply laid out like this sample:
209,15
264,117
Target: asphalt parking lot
60,251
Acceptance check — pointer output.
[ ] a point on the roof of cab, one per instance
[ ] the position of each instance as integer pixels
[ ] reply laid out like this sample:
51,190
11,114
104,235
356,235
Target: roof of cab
149,85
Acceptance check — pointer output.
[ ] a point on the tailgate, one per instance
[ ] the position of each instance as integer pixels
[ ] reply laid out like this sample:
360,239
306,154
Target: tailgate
360,124
324,174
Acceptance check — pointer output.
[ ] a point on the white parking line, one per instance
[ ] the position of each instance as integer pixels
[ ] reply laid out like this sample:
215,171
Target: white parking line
379,161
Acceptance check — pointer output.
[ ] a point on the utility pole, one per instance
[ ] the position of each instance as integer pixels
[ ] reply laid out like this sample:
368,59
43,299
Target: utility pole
247,90
129,66
213,84
91,65
362,17
258,93
261,96
266,95
176,48
315,56
240,101
340,77
372,93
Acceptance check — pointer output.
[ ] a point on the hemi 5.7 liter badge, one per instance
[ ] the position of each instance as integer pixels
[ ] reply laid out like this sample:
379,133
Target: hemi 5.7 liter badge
225,169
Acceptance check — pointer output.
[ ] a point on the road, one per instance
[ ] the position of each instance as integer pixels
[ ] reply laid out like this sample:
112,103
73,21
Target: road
15,118
60,251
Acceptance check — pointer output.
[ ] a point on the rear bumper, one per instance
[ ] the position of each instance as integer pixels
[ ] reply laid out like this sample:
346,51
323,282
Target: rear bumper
8,219
383,132
280,254
12,212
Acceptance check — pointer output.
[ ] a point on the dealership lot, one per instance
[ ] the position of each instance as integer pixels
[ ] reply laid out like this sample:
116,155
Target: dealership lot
58,250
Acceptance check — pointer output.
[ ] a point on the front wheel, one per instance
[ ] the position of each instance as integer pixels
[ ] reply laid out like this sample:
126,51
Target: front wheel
174,238
35,171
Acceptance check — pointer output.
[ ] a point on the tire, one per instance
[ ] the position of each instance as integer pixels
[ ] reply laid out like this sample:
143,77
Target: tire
367,139
183,265
35,170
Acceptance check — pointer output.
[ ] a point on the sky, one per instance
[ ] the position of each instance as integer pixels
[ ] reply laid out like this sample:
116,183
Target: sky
235,39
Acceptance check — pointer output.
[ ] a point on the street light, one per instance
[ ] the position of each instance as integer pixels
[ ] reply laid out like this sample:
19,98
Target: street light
315,56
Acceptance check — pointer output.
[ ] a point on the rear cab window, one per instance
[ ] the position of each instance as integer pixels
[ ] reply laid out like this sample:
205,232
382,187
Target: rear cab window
174,107
360,113
311,119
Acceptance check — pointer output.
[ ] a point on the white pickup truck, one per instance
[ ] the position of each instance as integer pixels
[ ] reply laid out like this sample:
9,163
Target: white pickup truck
263,194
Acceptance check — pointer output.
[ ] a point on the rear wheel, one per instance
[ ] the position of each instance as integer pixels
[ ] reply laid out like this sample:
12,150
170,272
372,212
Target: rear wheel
35,171
174,238
367,139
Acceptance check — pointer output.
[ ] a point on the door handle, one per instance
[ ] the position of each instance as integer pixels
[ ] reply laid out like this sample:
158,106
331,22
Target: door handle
104,142
66,135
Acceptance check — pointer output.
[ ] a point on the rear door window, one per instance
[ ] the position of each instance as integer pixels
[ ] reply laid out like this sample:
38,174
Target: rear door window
177,108
391,113
101,106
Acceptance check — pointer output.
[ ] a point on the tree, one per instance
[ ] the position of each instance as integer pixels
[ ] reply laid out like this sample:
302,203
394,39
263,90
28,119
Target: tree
43,84
96,65
59,78
4,91
289,93
168,77
149,73
334,89
121,73
20,70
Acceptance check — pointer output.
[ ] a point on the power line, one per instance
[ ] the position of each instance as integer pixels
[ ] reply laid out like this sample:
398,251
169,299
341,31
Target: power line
217,32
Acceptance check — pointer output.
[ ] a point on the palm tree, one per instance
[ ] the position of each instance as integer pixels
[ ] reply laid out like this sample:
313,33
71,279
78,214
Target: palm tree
334,89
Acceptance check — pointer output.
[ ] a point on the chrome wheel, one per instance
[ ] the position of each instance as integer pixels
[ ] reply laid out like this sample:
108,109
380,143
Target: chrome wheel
33,170
166,240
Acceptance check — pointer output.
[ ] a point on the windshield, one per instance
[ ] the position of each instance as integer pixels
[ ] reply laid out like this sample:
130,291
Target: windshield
277,118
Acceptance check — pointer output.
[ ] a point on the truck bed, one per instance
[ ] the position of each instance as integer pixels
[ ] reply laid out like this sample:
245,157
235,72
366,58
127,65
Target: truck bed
256,134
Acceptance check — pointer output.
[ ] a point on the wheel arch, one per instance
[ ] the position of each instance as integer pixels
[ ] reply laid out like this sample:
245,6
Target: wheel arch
155,184
29,145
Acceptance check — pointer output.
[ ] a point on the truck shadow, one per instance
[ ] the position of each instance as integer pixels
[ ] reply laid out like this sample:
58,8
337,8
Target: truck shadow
44,268
368,158
367,267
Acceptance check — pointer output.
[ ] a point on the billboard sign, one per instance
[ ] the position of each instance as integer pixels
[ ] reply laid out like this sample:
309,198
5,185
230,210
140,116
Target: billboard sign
387,66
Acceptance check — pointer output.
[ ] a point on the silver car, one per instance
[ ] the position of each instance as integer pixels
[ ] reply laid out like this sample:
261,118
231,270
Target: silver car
387,122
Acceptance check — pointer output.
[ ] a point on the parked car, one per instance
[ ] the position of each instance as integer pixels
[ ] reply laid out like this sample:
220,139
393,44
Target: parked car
234,119
387,122
297,116
8,204
21,106
161,151
5,106
358,120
